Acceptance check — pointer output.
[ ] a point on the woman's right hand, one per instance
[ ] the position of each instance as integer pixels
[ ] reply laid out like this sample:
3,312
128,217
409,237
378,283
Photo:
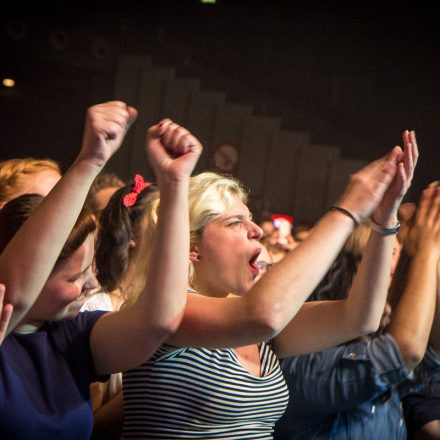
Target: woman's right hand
172,150
367,187
105,129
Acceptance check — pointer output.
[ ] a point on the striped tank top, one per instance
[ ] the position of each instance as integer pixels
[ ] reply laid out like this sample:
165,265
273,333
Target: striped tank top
200,393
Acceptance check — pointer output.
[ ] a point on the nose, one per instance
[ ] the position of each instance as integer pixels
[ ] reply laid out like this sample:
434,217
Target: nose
255,232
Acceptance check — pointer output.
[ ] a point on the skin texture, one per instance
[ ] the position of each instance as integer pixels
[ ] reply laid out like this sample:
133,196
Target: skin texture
64,293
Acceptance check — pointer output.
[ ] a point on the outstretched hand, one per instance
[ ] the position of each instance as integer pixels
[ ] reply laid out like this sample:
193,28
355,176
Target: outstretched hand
380,186
5,314
401,182
425,229
172,150
105,129
367,187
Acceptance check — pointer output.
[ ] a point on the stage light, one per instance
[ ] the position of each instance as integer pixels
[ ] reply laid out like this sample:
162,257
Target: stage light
8,82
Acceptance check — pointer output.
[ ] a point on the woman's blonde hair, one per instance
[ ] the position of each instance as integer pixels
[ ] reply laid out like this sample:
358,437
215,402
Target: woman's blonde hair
14,175
210,194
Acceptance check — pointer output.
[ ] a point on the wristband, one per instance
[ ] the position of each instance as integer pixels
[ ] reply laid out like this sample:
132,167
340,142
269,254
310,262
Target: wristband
383,229
347,213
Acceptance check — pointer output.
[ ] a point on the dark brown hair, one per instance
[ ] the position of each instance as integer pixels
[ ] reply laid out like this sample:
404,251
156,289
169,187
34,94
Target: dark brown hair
116,230
18,210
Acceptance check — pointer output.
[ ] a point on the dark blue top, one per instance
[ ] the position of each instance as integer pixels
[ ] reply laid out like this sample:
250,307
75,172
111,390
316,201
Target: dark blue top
422,402
345,392
44,381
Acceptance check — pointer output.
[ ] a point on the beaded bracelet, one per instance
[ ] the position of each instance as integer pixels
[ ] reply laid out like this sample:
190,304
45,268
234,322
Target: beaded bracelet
347,213
383,229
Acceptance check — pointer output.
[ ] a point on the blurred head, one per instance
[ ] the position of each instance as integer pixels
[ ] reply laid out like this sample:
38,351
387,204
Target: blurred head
26,176
264,262
301,232
103,187
72,276
338,279
266,224
121,233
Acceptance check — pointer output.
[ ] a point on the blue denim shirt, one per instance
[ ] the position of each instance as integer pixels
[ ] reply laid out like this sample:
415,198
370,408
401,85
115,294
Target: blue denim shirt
345,392
421,400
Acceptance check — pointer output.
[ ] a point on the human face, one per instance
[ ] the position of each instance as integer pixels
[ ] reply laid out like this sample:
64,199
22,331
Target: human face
64,292
267,227
225,258
102,198
264,262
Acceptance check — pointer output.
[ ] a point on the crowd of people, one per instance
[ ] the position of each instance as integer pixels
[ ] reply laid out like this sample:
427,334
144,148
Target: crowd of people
161,310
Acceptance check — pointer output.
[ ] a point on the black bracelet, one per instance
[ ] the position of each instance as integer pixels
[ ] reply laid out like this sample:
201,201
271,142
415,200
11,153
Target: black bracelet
347,213
383,229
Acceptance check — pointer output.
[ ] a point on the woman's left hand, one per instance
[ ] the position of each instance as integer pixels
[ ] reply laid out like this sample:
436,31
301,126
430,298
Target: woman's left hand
386,211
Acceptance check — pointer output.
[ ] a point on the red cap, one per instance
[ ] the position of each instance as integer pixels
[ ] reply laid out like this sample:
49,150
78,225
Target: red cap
282,216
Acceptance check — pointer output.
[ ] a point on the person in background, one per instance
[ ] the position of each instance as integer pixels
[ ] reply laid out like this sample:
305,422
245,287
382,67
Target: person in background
218,375
51,352
264,262
300,231
28,175
353,390
266,224
118,250
280,242
103,187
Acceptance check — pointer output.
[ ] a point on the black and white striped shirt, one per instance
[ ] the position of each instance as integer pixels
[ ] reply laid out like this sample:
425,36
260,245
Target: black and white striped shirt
203,393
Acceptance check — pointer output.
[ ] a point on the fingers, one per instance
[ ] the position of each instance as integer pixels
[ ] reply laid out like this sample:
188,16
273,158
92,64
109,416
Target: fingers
5,313
395,155
428,212
156,131
411,153
415,148
175,139
111,118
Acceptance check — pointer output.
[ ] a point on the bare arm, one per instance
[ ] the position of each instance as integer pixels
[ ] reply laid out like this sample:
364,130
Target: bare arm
108,417
126,338
434,337
5,314
271,304
39,241
412,319
329,323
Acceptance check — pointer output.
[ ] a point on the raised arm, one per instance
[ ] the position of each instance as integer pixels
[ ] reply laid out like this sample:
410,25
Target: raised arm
38,243
412,318
5,313
125,339
434,337
271,304
324,324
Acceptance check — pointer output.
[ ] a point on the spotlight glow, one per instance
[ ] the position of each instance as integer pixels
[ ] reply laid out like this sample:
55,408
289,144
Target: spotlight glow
8,82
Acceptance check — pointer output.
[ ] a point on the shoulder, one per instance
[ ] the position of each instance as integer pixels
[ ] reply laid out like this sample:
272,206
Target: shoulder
71,331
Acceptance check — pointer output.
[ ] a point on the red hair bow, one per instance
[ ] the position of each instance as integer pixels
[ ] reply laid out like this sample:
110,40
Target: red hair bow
139,185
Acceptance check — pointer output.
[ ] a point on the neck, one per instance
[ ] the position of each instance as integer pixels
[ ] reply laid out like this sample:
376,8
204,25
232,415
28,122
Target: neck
205,290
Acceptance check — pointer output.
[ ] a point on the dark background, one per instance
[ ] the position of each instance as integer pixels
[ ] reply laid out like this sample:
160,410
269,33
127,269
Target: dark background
353,74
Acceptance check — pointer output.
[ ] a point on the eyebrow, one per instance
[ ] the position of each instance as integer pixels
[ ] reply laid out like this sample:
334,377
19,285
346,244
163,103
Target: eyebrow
240,217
